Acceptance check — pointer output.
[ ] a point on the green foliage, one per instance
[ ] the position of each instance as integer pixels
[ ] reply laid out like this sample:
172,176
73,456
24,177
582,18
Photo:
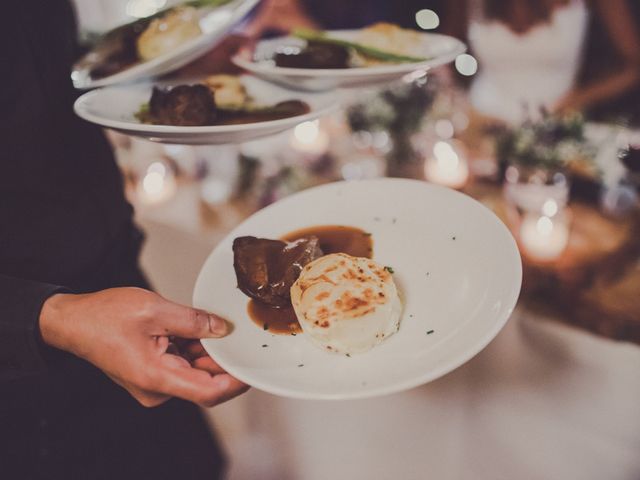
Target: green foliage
550,143
399,109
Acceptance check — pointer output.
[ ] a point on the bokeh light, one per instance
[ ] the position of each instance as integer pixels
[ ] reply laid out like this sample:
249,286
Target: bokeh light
144,8
544,225
427,19
307,132
466,64
216,191
444,128
550,207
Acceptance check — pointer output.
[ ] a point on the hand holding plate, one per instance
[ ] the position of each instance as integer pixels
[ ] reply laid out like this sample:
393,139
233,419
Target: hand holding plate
128,333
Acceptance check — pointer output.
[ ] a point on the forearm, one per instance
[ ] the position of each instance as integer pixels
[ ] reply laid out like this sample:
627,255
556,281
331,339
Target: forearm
605,89
55,326
22,351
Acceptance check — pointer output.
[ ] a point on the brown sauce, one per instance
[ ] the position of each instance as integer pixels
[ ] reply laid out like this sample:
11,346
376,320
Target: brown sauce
333,239
337,239
281,321
286,109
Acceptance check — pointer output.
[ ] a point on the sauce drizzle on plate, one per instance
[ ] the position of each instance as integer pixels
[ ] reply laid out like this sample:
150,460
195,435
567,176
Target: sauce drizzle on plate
333,239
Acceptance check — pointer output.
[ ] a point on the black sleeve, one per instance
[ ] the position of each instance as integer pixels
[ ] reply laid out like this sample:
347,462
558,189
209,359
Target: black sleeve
22,351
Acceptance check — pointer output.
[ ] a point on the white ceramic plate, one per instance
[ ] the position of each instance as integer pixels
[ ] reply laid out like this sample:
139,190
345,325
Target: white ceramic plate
456,265
438,49
214,26
115,107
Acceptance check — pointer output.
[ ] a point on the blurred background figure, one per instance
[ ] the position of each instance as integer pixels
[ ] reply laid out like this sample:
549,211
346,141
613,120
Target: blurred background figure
556,54
279,16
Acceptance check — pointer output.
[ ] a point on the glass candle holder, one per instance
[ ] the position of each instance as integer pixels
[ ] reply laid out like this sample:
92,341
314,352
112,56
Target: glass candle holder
308,138
537,211
157,184
447,165
544,237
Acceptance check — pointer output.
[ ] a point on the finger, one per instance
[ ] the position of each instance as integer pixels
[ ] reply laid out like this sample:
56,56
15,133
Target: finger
174,361
146,399
208,365
198,386
194,350
187,322
162,343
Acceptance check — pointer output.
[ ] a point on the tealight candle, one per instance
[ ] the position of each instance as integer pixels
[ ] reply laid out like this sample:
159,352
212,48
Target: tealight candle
215,191
447,166
157,185
309,138
544,237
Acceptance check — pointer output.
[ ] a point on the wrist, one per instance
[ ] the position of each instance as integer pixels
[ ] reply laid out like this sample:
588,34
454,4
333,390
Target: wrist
54,322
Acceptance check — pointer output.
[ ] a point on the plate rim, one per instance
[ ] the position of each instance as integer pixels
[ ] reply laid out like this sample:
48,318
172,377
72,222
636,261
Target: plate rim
445,367
143,128
354,72
140,70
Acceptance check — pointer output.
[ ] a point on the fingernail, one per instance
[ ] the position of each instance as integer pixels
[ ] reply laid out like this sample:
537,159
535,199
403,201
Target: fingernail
217,325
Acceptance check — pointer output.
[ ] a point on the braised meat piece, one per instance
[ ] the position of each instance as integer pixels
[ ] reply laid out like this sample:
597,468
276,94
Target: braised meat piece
117,51
266,269
183,105
315,55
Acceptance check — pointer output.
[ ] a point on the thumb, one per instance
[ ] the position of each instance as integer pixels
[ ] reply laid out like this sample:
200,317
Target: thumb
186,322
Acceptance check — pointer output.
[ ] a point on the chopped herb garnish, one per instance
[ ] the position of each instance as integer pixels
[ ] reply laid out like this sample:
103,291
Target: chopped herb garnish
265,326
265,345
389,269
348,355
293,334
429,332
301,365
453,238
411,315
428,274
142,115
366,234
393,220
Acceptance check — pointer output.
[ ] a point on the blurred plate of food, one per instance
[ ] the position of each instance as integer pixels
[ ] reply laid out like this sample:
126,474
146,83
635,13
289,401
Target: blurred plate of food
158,44
218,109
359,289
381,53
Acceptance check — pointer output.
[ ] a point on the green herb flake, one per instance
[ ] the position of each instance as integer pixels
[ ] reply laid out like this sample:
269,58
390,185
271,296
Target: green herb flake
430,332
265,345
265,326
389,269
142,115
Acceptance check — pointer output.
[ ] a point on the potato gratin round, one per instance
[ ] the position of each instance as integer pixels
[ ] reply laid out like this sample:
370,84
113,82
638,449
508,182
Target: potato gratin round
346,304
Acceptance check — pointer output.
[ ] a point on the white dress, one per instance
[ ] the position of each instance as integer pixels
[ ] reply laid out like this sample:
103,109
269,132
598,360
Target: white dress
519,73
